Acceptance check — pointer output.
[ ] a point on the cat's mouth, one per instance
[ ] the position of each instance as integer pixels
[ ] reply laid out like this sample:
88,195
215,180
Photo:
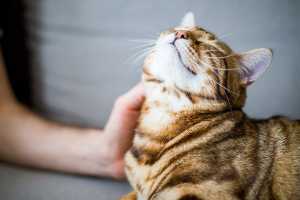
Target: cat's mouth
187,67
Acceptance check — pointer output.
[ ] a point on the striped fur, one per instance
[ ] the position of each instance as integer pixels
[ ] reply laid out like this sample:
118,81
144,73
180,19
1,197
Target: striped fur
193,140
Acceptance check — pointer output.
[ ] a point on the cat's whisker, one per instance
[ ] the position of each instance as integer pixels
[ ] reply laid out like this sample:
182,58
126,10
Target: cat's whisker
145,51
138,59
141,56
150,35
198,67
223,89
224,92
144,45
218,57
148,41
142,51
211,91
191,55
215,67
211,68
226,25
208,50
135,70
202,72
154,30
229,34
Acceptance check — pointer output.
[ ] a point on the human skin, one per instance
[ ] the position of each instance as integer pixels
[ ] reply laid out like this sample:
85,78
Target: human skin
28,139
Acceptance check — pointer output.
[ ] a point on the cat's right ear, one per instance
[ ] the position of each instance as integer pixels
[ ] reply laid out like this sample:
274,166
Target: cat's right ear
252,65
188,21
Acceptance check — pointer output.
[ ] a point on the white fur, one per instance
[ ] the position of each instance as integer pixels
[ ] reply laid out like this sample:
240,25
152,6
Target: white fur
157,119
169,63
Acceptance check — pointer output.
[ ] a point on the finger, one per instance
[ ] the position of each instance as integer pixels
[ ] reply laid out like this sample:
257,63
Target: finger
126,110
134,98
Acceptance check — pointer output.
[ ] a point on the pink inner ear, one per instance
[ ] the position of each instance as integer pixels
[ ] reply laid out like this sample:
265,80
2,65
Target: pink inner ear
253,65
259,68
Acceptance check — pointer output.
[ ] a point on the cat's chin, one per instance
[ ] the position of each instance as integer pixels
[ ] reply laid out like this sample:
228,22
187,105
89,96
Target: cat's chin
169,47
184,65
171,51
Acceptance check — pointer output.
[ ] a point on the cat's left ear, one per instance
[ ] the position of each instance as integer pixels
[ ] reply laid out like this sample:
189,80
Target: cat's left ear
188,21
252,65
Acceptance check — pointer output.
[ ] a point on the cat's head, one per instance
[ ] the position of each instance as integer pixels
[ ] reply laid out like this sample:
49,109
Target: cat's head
191,68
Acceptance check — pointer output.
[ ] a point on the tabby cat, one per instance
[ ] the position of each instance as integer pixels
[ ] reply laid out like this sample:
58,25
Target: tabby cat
193,140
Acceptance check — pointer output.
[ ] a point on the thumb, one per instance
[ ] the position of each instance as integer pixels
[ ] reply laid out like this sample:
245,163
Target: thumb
126,111
133,99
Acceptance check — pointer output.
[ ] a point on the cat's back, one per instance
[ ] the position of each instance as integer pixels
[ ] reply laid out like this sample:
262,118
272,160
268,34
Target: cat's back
275,159
245,159
282,135
252,159
284,154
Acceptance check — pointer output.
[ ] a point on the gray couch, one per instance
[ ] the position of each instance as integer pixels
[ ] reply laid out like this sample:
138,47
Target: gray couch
78,48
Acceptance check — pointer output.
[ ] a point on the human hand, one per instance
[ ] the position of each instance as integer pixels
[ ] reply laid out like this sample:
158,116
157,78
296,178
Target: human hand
119,130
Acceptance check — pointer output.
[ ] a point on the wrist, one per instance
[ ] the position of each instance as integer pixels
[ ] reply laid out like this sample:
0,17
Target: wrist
113,157
88,149
97,156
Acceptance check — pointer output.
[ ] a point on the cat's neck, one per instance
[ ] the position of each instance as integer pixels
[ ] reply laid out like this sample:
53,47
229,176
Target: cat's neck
166,97
167,124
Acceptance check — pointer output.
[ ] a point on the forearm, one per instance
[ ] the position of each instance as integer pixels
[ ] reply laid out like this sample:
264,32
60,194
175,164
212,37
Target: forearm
29,140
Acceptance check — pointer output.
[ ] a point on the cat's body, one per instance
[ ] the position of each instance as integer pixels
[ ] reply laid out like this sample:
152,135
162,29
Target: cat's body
193,141
219,157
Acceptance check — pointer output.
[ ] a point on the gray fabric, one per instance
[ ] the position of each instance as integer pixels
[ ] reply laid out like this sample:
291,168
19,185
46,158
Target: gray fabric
78,49
17,183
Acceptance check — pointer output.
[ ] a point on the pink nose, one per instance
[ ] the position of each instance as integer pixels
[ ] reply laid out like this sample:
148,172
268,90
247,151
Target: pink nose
181,35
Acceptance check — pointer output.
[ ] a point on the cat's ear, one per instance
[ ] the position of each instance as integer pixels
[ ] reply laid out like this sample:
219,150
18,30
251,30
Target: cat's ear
252,65
188,21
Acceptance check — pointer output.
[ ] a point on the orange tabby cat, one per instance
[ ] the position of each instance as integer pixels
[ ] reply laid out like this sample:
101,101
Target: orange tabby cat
193,140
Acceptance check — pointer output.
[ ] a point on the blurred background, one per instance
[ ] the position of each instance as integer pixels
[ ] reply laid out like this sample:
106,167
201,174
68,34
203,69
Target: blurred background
65,60
66,57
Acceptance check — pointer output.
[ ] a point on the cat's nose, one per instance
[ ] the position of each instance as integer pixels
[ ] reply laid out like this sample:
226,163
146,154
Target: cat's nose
181,35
